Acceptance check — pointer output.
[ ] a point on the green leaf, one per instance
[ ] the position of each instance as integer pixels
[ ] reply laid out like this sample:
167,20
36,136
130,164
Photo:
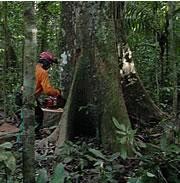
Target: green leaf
8,159
119,126
120,133
98,163
42,177
135,180
141,144
123,140
3,155
68,159
90,158
10,179
97,153
163,142
6,145
114,156
150,174
123,153
58,176
10,162
136,152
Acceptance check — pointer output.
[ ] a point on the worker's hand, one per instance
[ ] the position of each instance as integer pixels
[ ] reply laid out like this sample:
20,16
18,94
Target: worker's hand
60,91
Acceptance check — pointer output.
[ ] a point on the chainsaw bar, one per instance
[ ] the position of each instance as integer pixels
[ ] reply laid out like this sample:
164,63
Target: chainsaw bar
60,110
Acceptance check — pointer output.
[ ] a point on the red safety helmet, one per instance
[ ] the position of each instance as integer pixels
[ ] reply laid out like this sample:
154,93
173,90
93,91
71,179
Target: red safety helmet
46,55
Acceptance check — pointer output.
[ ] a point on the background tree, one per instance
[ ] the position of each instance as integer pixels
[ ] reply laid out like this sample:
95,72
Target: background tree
147,28
12,44
173,58
5,65
136,97
9,56
172,51
43,7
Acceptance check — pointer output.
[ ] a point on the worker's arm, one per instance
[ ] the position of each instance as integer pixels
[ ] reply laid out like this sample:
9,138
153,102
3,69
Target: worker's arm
47,88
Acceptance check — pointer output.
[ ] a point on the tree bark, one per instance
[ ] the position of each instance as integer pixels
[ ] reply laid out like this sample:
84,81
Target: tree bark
67,45
96,94
28,93
5,63
172,49
44,24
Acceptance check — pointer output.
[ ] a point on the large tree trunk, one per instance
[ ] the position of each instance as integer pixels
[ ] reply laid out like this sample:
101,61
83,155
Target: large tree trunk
139,104
28,94
95,95
67,45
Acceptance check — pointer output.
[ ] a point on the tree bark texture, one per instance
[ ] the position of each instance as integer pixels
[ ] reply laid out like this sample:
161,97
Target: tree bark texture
68,45
172,51
5,67
96,94
28,94
44,25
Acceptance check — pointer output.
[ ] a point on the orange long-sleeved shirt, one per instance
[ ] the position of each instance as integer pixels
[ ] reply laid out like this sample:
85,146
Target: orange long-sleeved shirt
42,82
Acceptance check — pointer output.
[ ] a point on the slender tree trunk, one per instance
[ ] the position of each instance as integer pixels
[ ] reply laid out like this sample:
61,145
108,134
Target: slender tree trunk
156,57
172,49
173,59
5,64
28,96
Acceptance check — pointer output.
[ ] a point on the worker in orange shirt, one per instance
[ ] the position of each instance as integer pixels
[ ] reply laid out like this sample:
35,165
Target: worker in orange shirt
42,79
43,85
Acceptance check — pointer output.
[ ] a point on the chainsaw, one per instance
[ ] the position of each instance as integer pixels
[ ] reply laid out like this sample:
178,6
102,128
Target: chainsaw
53,102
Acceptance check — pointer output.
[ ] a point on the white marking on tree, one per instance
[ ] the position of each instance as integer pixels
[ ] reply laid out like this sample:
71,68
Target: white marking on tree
34,35
64,57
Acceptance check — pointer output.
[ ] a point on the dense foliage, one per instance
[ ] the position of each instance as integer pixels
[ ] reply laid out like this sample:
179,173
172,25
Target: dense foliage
157,158
148,36
145,22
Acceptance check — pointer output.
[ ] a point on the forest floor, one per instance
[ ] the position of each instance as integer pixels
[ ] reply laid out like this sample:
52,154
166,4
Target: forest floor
7,127
8,131
84,160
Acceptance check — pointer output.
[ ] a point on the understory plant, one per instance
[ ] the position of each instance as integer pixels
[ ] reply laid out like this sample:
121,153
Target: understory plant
127,137
7,163
158,166
83,162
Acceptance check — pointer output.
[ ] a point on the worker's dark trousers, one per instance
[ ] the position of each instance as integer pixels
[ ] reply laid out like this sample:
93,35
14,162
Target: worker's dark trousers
38,119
